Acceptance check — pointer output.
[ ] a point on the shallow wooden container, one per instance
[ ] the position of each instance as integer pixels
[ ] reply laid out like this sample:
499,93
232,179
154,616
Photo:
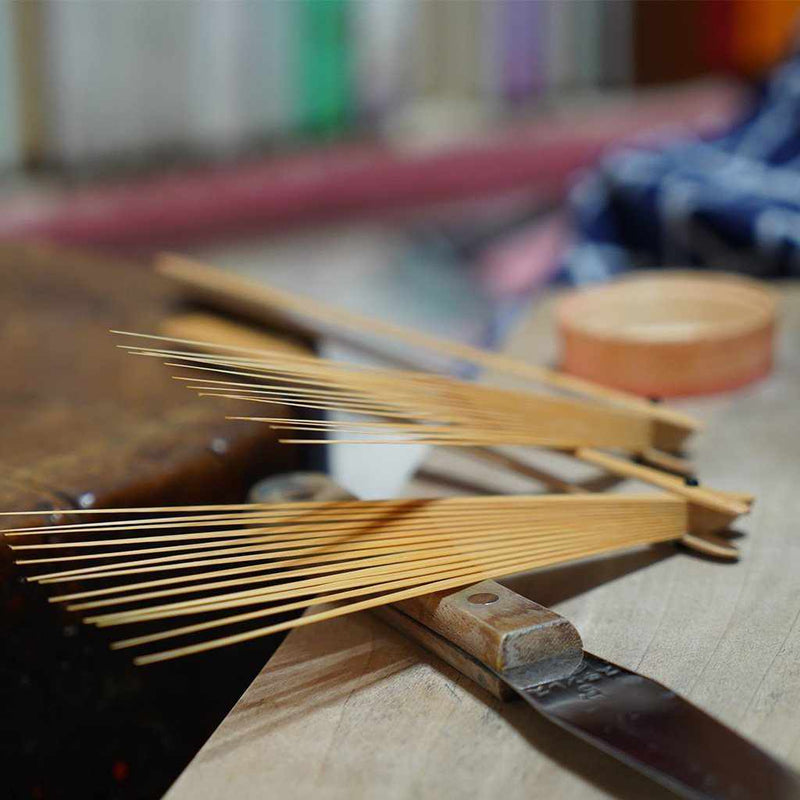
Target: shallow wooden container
670,333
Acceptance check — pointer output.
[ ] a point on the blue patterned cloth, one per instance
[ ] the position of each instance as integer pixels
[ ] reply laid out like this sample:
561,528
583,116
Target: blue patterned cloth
730,202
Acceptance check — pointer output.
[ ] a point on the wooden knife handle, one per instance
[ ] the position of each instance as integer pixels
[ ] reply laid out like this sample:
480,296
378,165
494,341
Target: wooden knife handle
480,630
489,625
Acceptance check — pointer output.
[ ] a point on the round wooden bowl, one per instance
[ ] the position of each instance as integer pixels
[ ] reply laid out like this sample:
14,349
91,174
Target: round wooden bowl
669,333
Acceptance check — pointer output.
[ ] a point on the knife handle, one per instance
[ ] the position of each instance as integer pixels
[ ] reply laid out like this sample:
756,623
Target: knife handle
486,629
481,630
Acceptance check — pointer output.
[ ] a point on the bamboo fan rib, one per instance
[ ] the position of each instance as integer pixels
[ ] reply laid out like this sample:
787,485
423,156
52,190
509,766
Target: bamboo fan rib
181,572
425,409
268,304
412,407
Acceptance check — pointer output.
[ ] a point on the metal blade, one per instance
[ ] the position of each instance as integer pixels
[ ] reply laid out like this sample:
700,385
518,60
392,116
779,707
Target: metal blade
653,730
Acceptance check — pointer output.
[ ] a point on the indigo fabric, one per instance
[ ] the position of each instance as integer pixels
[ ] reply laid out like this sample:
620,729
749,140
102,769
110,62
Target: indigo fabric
731,202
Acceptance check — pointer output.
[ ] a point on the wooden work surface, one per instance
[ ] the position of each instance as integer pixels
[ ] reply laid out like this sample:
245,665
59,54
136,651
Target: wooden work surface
349,709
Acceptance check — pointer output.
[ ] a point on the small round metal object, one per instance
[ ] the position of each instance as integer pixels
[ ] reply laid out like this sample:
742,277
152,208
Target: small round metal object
219,445
294,487
482,598
86,500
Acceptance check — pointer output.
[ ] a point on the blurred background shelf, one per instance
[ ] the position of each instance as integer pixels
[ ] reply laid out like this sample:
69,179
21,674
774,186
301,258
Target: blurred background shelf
92,85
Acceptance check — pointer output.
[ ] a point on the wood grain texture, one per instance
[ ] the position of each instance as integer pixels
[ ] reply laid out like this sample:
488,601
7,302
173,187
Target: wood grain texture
80,418
443,649
507,632
349,709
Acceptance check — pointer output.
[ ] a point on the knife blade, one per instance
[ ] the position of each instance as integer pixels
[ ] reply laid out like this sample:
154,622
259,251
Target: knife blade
515,647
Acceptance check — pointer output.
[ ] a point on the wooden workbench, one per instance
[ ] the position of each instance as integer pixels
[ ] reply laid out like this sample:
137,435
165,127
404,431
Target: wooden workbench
350,709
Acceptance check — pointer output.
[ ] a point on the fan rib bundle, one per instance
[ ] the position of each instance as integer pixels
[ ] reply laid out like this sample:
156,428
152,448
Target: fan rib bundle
235,566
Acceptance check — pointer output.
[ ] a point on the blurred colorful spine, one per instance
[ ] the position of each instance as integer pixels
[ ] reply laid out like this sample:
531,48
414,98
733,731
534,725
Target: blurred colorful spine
326,80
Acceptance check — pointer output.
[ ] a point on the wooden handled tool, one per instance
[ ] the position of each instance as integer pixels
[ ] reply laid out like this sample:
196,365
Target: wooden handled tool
514,647
479,630
487,629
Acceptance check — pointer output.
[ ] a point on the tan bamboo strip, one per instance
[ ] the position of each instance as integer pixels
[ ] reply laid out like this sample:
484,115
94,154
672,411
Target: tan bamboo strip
325,512
615,466
251,511
741,497
203,346
449,404
322,517
354,523
48,512
508,428
113,595
320,556
667,461
384,408
555,536
454,532
330,511
270,542
233,291
432,555
360,575
214,574
518,557
348,579
138,553
199,325
510,531
344,378
550,534
266,396
451,401
170,564
345,562
255,544
279,364
400,592
335,597
291,506
731,503
421,509
694,494
366,577
726,504
240,555
701,540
